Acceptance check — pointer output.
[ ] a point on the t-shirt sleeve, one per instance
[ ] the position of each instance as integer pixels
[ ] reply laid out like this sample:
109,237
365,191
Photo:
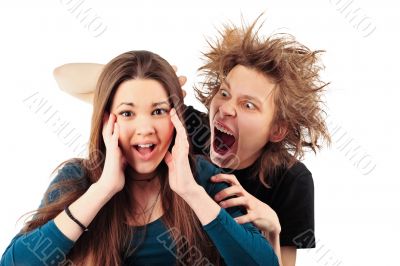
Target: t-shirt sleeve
45,245
295,208
238,244
70,171
198,130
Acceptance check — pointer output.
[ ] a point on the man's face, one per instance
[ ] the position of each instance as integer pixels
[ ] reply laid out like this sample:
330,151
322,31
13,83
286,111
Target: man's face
241,116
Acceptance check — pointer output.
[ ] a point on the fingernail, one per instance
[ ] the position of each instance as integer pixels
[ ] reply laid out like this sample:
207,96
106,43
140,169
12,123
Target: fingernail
222,204
172,112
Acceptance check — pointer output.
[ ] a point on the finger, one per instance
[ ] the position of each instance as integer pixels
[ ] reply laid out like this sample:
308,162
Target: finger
229,192
108,127
175,68
169,161
239,201
182,80
180,130
231,179
115,134
106,116
124,162
244,219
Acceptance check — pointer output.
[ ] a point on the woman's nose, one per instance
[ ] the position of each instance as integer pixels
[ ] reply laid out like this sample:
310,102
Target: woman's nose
144,127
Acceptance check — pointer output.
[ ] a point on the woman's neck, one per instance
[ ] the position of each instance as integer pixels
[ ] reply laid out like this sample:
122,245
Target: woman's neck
146,197
141,185
139,177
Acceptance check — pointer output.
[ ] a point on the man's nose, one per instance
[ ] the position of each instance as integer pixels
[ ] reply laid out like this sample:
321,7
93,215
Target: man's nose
227,109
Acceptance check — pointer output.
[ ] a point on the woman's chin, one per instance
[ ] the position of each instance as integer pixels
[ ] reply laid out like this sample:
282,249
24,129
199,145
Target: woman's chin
146,168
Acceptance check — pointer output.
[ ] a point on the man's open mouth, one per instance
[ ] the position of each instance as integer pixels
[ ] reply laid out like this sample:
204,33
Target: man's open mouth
223,139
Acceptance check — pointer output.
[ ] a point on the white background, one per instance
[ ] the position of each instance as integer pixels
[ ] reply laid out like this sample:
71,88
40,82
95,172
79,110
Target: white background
355,206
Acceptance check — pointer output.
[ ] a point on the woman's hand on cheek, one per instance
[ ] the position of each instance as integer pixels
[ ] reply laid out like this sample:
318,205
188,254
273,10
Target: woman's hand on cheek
179,172
112,177
259,213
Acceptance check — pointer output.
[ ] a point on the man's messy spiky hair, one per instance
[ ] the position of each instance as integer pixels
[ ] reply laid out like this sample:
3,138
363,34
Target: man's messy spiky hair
294,68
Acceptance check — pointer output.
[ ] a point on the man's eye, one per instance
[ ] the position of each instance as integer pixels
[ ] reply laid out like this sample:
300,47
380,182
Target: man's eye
223,93
159,111
126,113
249,106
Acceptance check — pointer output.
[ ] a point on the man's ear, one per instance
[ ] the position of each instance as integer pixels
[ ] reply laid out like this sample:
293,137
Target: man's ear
278,132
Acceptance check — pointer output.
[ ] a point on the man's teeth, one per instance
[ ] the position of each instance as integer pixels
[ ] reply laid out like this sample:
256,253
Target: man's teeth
145,145
223,130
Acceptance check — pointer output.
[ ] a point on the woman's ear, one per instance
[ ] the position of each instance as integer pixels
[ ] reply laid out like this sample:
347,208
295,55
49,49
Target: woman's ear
278,132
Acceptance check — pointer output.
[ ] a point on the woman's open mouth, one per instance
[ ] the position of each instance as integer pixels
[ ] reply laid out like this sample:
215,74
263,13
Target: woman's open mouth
144,151
224,139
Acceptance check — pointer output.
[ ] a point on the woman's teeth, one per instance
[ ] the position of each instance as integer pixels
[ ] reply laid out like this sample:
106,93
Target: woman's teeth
145,145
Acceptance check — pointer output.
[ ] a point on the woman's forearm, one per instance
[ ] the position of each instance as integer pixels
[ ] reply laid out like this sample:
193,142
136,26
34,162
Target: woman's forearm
205,208
237,244
84,209
50,243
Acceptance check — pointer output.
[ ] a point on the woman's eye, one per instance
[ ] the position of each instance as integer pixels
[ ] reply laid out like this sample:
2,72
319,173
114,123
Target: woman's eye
126,113
159,111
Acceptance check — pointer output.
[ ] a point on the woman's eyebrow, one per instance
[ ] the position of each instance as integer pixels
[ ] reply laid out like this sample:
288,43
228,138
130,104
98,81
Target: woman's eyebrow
126,103
160,103
153,104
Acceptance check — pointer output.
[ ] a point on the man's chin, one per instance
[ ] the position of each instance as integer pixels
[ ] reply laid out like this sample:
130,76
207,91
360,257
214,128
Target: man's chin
216,159
229,160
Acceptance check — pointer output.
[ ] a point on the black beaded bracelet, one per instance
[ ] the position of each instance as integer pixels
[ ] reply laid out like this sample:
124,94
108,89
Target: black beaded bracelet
68,212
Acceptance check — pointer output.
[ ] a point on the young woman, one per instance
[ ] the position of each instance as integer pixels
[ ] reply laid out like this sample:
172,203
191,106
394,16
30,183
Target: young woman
134,200
264,100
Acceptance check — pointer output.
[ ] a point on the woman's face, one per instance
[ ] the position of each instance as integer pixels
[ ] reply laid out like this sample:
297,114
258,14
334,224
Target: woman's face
142,110
241,115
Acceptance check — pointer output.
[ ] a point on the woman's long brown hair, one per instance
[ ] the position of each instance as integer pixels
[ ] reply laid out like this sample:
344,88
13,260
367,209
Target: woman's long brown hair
108,241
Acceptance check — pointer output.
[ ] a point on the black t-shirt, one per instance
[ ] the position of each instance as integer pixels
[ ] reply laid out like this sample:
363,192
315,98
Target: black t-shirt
291,192
291,196
198,130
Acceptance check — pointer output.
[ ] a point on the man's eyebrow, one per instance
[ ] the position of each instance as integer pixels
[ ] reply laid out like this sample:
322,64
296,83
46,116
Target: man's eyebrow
248,97
245,96
225,82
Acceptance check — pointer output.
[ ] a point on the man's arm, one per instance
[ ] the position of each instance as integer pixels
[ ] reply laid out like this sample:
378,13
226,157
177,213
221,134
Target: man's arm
288,255
78,79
